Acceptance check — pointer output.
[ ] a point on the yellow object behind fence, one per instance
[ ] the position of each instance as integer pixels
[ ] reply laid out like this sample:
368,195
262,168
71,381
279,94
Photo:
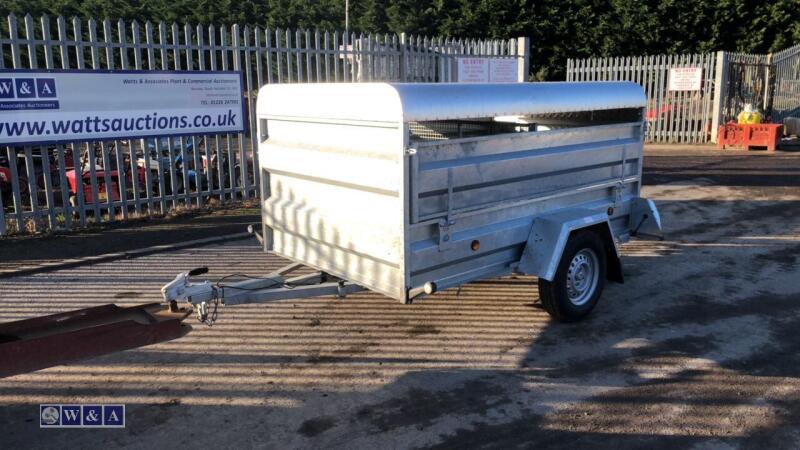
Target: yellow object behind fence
749,117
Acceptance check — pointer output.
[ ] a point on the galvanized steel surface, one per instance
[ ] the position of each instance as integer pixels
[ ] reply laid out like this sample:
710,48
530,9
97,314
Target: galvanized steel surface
491,189
353,195
417,102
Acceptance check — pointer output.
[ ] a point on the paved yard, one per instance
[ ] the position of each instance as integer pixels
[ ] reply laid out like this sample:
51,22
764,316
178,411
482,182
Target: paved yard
698,349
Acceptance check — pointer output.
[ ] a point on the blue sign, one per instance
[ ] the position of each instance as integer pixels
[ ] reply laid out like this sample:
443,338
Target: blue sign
46,87
114,415
92,415
6,88
70,415
20,94
81,416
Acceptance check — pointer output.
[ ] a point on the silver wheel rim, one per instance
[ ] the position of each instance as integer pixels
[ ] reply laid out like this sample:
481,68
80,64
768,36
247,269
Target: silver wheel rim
582,276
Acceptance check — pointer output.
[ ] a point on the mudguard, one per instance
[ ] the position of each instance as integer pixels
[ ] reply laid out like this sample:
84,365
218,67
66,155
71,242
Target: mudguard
549,235
645,219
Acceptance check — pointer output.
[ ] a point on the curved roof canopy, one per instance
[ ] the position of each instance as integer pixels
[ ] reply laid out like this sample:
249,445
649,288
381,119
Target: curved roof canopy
416,102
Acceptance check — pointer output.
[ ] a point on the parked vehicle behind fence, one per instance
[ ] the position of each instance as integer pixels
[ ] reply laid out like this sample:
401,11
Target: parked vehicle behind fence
108,179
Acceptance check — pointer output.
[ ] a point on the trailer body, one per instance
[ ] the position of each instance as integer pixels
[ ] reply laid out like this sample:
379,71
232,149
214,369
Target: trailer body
403,187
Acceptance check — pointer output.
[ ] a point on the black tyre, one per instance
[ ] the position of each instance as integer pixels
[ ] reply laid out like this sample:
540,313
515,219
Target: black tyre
579,279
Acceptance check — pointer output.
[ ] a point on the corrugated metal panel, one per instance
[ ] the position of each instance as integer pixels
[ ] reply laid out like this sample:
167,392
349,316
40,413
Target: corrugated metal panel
335,204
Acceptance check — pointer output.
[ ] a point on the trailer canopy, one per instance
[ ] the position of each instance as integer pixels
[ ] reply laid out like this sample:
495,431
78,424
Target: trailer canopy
417,102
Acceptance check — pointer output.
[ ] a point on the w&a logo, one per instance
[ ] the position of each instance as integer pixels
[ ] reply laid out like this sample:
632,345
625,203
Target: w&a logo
27,88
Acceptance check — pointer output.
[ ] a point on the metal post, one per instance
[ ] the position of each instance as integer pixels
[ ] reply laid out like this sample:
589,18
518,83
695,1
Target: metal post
403,65
720,92
769,87
523,52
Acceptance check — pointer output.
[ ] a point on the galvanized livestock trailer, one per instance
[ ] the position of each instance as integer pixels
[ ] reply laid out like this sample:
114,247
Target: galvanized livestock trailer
408,189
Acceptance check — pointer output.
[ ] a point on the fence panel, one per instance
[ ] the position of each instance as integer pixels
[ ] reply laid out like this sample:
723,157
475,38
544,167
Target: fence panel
64,186
747,82
786,96
672,116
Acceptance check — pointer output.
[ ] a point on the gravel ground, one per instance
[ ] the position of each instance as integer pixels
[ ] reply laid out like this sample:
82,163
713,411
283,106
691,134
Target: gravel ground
698,349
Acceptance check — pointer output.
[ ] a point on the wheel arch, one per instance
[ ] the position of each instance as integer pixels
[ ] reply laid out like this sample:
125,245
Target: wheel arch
550,233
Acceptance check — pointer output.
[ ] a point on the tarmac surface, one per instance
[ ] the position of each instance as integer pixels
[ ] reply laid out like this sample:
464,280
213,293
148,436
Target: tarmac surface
698,349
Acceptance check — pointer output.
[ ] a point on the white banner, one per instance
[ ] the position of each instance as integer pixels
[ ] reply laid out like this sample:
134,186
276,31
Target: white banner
488,70
40,106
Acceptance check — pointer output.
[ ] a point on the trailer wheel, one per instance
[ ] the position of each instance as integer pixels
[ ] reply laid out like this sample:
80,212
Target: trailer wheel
579,279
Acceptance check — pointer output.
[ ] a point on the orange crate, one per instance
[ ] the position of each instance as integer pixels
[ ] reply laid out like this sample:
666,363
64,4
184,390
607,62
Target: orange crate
748,136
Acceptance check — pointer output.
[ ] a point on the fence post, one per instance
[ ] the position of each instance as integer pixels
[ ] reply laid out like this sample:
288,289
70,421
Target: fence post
403,65
769,86
720,92
523,52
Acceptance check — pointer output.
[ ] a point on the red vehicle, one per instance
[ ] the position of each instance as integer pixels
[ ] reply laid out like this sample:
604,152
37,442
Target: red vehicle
5,185
100,173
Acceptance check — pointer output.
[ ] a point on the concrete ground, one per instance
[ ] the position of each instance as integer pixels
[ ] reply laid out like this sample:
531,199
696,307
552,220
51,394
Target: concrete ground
698,349
21,252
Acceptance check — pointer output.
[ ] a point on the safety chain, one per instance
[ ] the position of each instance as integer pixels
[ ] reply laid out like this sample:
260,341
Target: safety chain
202,310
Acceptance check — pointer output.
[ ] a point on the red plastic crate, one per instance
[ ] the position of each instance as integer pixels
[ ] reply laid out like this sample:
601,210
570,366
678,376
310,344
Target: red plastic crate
748,136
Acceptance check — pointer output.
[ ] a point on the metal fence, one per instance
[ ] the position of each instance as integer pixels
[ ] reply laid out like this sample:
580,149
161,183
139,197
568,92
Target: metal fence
672,116
786,96
64,186
745,80
730,80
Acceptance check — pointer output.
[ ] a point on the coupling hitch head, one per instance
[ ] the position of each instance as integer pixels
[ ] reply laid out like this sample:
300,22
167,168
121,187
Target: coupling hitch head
182,289
198,294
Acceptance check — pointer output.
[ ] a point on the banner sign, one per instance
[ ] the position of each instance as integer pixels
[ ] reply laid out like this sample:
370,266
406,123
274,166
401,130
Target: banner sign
44,106
488,70
685,79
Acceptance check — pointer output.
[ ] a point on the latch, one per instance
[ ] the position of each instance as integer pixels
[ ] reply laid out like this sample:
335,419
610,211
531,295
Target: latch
620,186
445,239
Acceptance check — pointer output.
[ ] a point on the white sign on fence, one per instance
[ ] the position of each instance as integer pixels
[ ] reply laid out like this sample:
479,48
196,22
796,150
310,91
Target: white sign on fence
473,70
503,70
685,79
488,70
40,106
